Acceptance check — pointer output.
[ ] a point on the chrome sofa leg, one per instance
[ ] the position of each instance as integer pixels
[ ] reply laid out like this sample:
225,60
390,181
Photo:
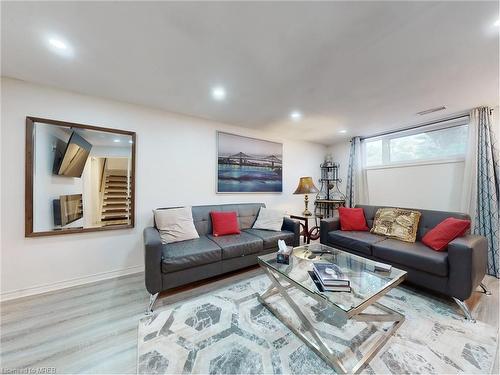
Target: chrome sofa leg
485,289
152,300
465,310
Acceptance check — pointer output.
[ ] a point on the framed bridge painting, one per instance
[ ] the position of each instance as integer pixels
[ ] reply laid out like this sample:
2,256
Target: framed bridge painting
248,165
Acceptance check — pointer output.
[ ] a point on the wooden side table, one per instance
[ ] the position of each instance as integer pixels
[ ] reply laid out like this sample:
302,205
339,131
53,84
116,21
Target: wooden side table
309,234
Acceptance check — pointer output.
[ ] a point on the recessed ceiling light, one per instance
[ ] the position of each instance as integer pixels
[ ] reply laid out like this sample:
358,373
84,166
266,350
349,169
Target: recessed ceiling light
343,131
57,43
295,115
219,93
116,140
497,23
59,46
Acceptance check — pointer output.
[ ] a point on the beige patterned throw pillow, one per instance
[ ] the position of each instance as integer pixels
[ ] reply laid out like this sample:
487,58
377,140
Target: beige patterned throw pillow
396,223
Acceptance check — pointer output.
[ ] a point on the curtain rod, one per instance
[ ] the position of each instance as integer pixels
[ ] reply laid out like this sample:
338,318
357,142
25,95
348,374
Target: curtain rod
449,118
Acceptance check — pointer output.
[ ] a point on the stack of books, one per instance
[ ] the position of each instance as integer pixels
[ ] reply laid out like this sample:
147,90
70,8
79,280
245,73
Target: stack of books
329,277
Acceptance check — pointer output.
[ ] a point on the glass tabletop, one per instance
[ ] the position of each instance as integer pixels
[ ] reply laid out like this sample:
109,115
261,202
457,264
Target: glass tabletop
365,280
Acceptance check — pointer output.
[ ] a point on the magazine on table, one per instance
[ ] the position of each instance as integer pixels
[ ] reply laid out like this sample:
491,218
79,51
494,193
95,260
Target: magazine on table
327,288
330,274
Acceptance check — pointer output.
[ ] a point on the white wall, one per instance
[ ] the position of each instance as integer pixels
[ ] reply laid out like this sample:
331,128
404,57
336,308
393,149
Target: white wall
430,186
340,154
175,166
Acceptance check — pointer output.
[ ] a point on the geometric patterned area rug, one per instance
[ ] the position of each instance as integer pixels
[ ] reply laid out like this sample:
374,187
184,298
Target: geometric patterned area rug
229,332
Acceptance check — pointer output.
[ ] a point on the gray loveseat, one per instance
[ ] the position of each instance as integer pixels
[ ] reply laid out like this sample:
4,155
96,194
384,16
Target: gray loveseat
170,265
456,272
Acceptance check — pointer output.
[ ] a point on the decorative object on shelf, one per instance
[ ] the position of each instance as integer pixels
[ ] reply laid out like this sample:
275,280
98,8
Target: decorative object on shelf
306,186
248,165
329,197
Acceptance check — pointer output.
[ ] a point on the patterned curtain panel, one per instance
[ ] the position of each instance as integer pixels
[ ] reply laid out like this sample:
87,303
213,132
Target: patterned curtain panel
356,189
481,184
350,181
488,197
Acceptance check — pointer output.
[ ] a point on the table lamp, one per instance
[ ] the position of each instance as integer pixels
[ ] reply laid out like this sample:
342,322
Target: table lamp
306,186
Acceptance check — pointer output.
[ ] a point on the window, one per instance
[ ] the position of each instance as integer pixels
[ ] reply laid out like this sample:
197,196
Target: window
419,145
373,151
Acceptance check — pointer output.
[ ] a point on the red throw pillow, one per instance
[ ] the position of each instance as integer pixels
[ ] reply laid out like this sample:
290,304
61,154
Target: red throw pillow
445,232
352,219
224,223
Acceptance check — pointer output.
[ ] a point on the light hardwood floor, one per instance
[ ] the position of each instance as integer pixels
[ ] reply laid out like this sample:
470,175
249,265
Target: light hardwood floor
93,328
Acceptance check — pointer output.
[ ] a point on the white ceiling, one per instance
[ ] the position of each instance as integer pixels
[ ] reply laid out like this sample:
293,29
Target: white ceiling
360,66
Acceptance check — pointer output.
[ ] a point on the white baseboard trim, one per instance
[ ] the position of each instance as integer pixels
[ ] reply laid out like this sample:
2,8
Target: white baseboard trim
44,288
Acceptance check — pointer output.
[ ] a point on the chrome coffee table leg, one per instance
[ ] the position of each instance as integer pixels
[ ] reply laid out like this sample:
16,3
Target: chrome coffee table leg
389,316
316,342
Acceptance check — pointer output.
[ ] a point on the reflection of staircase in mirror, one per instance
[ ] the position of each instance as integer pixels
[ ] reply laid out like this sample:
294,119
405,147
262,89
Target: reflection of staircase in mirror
115,199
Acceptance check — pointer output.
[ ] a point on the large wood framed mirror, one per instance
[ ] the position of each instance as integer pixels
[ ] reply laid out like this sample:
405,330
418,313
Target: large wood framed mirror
79,178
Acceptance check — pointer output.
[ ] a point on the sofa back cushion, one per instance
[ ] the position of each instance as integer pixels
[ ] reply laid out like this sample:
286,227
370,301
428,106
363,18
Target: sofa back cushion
428,218
370,212
245,212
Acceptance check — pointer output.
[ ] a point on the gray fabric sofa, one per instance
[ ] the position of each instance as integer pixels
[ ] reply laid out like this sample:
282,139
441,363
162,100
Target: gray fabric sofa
170,265
456,272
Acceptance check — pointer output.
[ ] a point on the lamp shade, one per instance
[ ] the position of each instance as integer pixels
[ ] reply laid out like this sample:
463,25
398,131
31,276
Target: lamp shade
306,186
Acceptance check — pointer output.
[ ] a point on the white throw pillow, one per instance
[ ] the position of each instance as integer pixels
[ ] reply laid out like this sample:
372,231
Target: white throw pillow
175,224
269,219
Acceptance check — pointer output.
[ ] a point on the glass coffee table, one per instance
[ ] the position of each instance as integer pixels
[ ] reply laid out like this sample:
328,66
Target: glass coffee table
368,284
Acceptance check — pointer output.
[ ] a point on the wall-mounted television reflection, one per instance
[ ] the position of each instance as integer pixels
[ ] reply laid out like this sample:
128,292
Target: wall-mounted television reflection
67,209
70,158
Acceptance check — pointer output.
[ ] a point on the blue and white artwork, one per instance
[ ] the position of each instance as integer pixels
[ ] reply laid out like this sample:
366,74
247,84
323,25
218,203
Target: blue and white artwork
248,165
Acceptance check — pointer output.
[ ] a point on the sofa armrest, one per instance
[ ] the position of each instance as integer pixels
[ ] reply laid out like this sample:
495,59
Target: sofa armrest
152,260
292,226
467,260
326,226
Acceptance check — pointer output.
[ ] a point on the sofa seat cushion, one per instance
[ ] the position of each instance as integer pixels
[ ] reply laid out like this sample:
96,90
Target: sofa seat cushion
414,255
271,238
236,245
186,254
354,240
